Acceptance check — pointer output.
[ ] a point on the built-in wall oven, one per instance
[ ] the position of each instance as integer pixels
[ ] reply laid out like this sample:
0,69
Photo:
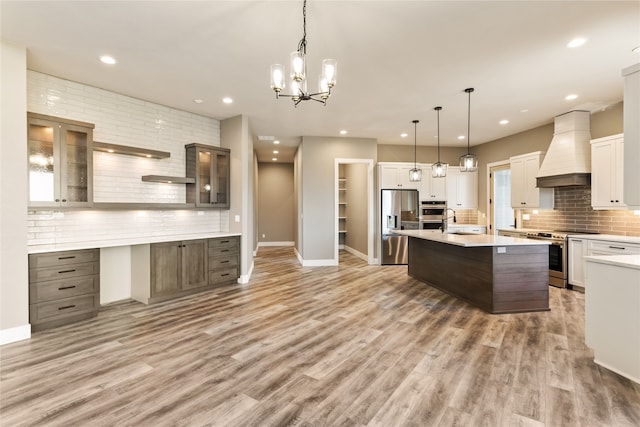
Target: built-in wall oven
558,253
431,214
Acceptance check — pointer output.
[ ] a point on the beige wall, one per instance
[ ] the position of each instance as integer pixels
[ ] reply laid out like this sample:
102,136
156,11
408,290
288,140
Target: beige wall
14,285
275,202
317,170
356,211
404,153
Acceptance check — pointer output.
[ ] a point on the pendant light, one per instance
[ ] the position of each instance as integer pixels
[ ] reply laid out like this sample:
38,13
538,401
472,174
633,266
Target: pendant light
468,162
439,169
415,174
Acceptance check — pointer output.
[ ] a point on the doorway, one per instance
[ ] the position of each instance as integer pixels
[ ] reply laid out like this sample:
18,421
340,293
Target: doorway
501,214
354,211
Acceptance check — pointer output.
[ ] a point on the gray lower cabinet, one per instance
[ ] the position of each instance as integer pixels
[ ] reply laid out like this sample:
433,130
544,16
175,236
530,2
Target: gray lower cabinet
64,287
163,271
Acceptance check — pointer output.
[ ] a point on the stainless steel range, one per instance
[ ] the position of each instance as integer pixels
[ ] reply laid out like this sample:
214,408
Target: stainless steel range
558,253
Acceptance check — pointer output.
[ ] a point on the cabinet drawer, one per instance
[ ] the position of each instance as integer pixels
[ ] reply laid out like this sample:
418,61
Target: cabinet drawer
223,243
613,247
223,276
54,310
54,259
223,262
223,252
63,272
65,288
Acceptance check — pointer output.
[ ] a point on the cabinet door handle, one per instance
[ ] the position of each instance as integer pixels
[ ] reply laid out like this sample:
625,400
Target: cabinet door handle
66,287
617,247
225,274
64,200
57,200
224,262
224,241
224,250
577,240
67,257
66,271
66,307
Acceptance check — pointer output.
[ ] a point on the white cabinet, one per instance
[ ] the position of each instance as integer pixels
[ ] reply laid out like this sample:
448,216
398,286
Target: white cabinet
632,135
524,193
432,188
462,189
577,250
607,172
396,175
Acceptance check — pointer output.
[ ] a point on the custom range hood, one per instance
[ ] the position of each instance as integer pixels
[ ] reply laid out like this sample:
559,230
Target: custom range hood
568,158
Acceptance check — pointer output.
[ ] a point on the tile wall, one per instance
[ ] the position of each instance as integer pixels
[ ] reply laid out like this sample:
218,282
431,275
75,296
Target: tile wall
573,212
123,120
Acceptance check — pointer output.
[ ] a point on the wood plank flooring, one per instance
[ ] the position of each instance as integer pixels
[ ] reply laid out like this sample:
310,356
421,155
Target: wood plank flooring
354,345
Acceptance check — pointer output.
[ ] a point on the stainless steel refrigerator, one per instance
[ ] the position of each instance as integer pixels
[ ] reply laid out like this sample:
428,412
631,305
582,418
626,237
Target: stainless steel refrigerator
400,211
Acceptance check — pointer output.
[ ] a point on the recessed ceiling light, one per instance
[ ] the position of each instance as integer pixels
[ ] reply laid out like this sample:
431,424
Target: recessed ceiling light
275,151
106,59
276,142
571,97
227,100
504,122
636,49
343,132
275,159
110,151
461,137
579,41
198,101
524,111
403,135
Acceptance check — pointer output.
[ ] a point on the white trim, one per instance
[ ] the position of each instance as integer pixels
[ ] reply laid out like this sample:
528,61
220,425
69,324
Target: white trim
359,254
319,263
17,333
244,278
275,244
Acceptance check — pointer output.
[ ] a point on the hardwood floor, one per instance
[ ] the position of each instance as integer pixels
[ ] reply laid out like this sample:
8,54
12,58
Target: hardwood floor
353,345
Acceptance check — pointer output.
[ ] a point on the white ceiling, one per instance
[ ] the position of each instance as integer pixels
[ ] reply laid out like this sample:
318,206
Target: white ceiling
396,60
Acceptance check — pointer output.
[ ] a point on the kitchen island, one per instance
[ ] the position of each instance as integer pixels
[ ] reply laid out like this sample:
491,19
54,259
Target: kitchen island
498,274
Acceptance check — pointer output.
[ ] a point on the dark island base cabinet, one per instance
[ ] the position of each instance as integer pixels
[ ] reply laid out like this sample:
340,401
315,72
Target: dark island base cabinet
64,287
510,282
163,271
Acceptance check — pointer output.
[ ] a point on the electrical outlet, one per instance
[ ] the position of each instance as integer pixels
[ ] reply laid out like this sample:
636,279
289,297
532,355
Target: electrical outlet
263,236
237,218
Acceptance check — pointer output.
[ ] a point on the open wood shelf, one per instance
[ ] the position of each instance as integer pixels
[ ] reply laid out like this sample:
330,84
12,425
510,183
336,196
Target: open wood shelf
169,179
106,147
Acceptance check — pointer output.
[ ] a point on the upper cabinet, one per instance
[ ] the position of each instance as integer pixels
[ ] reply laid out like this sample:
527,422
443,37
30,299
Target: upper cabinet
60,162
396,176
607,172
524,193
210,167
631,135
462,189
432,188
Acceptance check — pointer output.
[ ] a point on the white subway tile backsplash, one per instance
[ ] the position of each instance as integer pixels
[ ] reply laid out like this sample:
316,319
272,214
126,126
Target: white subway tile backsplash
124,120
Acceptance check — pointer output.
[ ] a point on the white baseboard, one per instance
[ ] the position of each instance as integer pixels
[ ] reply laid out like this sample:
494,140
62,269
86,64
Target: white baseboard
359,254
244,278
17,333
275,244
315,262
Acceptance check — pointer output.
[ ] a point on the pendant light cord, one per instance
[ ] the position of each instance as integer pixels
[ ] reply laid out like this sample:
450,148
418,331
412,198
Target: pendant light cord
438,111
415,141
469,90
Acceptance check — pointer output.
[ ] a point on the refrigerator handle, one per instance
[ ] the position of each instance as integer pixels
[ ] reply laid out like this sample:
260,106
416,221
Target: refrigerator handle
392,221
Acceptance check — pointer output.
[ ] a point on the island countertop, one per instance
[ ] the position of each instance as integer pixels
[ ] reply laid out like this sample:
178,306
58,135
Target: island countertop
471,240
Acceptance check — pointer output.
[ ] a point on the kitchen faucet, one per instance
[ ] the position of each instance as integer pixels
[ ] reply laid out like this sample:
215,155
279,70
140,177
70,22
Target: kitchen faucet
445,218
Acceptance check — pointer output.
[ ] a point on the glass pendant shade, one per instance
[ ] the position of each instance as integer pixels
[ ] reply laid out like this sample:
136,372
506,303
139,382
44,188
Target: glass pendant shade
415,175
297,66
277,77
439,170
323,87
468,163
329,71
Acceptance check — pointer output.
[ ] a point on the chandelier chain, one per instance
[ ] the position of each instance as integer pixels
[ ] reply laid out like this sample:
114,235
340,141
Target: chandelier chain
302,46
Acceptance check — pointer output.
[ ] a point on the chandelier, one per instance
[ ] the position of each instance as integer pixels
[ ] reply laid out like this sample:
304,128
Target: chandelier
298,78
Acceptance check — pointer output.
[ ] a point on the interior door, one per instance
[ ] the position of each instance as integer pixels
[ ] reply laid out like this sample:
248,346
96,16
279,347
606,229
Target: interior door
501,214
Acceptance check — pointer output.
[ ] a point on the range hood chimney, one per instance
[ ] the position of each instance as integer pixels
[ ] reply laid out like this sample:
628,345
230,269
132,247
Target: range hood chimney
568,158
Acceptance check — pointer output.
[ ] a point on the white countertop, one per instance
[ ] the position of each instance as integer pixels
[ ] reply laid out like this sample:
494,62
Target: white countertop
471,240
36,249
628,261
608,237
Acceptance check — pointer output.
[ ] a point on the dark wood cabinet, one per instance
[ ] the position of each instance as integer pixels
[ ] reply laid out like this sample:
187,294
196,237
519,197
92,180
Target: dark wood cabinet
177,267
210,167
64,287
162,271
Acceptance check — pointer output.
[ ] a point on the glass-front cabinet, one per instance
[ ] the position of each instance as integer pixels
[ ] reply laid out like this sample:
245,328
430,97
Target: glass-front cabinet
60,162
209,166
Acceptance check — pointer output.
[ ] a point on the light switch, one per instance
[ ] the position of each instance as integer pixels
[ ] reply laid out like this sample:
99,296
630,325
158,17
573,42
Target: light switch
502,250
237,218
